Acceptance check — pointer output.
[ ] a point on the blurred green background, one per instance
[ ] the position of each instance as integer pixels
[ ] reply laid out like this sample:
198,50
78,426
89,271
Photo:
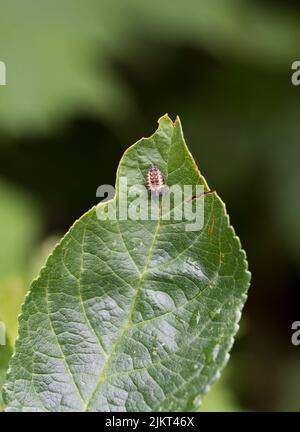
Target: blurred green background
85,79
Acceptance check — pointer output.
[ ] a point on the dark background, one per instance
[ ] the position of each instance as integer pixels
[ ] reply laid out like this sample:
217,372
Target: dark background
86,79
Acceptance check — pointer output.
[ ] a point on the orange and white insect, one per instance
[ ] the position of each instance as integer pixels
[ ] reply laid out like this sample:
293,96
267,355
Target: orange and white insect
155,181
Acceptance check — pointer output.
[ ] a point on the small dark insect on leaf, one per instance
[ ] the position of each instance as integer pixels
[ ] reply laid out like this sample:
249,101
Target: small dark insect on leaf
202,194
155,181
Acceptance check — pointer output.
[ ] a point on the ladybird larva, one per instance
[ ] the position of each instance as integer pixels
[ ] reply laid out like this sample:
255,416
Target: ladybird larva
155,181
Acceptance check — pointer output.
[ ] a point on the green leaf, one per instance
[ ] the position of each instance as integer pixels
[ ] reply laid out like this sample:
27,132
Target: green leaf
132,315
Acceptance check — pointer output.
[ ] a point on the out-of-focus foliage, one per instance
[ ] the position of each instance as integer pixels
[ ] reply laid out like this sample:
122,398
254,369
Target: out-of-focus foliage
290,390
220,397
19,228
60,55
80,77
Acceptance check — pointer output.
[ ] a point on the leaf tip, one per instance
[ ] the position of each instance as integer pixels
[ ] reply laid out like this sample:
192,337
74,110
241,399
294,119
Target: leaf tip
165,120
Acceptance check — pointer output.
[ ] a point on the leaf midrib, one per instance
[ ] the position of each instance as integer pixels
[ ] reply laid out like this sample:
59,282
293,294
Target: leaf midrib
126,326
